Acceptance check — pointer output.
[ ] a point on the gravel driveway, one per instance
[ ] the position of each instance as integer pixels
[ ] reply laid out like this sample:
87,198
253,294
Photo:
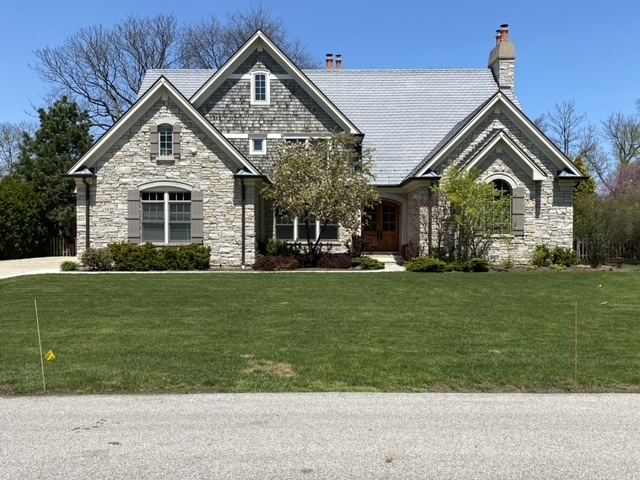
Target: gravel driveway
31,266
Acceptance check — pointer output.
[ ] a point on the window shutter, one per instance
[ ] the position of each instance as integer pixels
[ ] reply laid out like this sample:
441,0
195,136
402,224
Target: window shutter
153,141
133,216
197,235
176,142
518,211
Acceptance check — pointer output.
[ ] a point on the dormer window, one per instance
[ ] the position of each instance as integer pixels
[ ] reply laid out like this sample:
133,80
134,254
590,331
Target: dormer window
260,87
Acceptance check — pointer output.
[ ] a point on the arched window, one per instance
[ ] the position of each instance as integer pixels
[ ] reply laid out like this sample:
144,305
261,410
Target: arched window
503,223
166,216
260,87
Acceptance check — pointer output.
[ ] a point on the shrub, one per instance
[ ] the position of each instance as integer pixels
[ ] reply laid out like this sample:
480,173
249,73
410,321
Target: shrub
457,267
99,259
270,263
565,256
280,248
508,263
193,257
367,263
425,264
359,245
335,260
68,266
541,256
555,266
141,258
479,265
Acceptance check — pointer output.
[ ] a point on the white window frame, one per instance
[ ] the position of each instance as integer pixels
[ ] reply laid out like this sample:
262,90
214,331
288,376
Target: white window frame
297,225
267,87
252,150
166,214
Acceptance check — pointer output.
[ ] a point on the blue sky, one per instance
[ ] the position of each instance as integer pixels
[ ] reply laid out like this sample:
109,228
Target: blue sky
581,50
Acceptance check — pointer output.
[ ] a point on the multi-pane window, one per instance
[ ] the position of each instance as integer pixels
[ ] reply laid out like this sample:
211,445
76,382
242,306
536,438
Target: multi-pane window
165,139
260,87
502,225
296,229
166,217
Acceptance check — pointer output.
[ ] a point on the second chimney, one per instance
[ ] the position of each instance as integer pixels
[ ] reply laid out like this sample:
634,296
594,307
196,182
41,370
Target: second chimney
329,61
502,59
338,62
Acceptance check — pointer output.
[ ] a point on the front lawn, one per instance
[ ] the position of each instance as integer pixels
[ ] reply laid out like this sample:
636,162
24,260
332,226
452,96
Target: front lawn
241,332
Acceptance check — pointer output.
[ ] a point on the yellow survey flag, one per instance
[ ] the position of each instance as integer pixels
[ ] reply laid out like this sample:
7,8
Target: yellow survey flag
604,303
50,356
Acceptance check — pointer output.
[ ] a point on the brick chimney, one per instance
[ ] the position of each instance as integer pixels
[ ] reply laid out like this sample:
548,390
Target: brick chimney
329,61
338,62
502,59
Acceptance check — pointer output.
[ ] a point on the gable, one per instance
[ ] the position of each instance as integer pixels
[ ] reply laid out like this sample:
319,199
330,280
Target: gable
509,119
279,68
162,89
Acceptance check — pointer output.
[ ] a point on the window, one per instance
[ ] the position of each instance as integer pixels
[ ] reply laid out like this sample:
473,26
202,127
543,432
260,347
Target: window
166,217
260,88
257,144
296,230
165,137
503,189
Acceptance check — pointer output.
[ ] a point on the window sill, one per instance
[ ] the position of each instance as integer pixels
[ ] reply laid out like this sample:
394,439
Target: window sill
165,160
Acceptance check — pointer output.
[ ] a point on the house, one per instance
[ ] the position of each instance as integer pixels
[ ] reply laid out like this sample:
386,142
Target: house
187,163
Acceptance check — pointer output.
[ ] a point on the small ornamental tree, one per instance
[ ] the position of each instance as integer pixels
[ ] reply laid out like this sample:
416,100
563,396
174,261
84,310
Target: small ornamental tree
474,211
325,179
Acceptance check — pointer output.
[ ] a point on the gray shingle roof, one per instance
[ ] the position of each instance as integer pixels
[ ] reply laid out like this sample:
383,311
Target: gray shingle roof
186,81
404,114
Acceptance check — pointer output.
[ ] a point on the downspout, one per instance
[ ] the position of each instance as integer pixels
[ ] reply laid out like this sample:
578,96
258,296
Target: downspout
87,186
244,228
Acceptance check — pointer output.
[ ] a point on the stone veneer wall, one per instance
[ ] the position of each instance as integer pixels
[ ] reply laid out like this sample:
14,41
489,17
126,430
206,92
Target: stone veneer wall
548,204
202,164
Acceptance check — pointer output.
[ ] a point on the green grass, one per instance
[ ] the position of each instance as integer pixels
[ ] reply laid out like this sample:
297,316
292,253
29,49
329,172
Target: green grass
321,332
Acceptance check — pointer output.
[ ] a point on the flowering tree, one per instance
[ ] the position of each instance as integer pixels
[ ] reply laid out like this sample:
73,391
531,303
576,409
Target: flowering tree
325,179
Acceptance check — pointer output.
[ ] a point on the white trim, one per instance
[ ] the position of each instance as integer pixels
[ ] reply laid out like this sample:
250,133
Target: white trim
267,87
274,136
257,136
161,87
501,176
521,121
236,136
260,40
525,162
272,76
164,184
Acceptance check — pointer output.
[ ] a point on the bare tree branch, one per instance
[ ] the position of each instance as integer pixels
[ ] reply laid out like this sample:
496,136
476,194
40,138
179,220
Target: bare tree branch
565,126
623,132
11,138
102,68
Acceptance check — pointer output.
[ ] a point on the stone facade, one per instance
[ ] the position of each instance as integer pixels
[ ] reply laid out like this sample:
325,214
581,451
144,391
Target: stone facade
202,166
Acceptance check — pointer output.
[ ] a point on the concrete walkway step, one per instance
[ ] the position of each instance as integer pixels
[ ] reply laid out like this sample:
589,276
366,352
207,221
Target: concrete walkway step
393,261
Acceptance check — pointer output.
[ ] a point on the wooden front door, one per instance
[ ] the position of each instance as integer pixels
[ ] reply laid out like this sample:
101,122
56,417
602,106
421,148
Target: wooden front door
383,224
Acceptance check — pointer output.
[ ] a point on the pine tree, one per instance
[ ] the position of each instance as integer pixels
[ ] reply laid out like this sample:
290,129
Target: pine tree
61,140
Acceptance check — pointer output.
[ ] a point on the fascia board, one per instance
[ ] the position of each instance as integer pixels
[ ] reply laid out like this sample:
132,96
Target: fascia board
161,87
517,154
261,40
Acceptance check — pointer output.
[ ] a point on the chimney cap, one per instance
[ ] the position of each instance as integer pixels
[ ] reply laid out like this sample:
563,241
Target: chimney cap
504,25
